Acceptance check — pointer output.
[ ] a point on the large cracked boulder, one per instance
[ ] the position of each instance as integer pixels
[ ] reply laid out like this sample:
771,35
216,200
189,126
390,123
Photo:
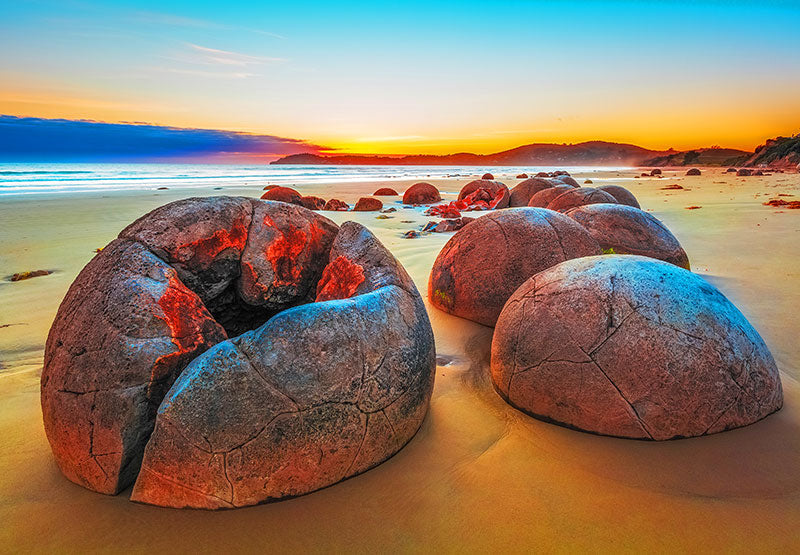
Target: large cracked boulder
192,274
580,197
522,193
482,265
631,347
629,230
492,188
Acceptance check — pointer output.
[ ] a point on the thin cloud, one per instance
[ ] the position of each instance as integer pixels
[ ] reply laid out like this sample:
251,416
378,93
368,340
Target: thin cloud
227,57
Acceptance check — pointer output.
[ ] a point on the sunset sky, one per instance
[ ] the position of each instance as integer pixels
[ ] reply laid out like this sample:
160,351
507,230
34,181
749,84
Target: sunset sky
381,77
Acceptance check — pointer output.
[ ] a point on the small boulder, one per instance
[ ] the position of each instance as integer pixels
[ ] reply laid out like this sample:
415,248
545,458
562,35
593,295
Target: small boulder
522,176
621,195
656,171
544,197
367,204
488,185
542,174
629,230
485,262
446,226
336,205
730,170
488,176
631,347
385,192
312,203
21,276
522,193
580,197
421,193
283,194
693,171
743,172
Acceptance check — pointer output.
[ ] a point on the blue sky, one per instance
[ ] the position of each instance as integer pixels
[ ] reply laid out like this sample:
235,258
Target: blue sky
413,76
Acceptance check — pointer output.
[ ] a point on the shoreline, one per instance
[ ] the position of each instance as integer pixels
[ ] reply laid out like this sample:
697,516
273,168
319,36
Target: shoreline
479,474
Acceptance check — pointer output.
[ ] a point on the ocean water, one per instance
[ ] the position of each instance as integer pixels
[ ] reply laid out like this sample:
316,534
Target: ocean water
50,178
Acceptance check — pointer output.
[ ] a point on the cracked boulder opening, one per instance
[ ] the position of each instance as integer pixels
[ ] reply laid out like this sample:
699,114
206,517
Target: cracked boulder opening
631,347
253,282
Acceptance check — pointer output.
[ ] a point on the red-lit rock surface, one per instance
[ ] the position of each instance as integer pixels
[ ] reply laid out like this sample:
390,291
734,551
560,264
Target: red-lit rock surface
446,226
631,347
322,392
522,193
336,205
421,193
493,189
385,192
580,197
312,202
186,277
488,176
479,199
484,263
368,204
621,195
544,197
629,230
283,194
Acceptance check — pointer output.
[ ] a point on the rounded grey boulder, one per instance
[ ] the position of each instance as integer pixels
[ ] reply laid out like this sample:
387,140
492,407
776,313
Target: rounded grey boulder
631,347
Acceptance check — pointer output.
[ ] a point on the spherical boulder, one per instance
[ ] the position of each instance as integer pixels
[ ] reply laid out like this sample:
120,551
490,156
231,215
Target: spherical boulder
631,347
656,171
171,290
336,205
522,176
629,230
385,192
621,195
693,171
312,202
730,170
488,176
493,188
580,197
484,263
567,180
544,197
367,204
421,193
522,193
744,172
283,194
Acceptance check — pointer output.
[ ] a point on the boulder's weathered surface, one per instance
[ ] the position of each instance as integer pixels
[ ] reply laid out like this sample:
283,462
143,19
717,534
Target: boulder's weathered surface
336,205
367,204
744,172
693,171
567,180
631,347
312,202
421,193
488,176
484,263
283,194
385,192
522,193
580,197
493,188
522,176
177,281
620,194
655,172
629,230
544,197
319,393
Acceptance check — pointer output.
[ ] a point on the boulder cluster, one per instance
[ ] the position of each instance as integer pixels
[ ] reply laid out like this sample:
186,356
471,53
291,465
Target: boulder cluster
599,324
225,351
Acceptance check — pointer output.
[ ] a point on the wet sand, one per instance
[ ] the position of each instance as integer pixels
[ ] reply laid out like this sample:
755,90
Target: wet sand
479,475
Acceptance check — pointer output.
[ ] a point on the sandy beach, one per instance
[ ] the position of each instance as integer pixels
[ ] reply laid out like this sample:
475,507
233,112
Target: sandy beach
479,475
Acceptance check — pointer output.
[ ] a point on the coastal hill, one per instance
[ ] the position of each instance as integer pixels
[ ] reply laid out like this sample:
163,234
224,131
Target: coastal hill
778,153
713,156
593,153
